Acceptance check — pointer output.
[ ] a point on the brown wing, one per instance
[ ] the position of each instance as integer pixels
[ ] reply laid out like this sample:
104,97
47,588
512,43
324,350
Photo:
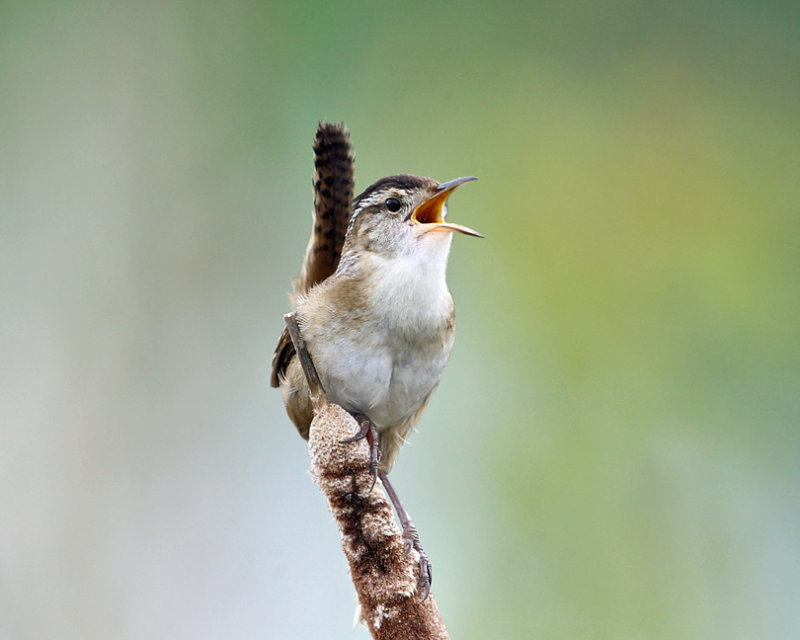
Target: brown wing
333,192
284,353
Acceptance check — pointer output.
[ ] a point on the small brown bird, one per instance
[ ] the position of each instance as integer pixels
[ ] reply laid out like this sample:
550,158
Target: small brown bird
373,305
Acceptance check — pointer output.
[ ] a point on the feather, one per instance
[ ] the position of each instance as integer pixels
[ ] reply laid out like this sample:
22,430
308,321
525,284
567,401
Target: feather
333,193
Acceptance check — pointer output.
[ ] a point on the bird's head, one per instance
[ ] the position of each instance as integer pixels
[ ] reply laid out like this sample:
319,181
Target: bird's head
403,214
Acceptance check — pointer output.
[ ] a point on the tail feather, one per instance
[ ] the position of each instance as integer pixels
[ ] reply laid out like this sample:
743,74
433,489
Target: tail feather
333,193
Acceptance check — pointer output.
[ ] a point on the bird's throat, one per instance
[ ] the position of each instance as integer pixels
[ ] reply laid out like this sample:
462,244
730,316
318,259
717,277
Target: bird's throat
412,285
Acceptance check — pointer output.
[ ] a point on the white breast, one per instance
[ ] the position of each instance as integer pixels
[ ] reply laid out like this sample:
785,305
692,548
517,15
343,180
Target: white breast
387,365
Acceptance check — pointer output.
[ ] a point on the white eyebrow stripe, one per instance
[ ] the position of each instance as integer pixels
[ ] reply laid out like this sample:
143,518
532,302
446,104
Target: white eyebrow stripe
374,198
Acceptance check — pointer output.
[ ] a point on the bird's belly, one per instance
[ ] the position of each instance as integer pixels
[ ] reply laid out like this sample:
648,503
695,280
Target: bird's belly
388,383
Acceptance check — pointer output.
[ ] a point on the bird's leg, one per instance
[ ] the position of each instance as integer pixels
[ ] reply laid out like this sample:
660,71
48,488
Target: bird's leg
410,537
315,388
366,429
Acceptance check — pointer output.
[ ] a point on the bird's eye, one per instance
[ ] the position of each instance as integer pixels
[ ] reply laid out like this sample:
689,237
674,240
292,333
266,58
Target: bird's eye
393,204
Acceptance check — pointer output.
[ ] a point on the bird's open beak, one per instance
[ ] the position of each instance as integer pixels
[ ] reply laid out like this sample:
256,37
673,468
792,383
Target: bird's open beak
429,212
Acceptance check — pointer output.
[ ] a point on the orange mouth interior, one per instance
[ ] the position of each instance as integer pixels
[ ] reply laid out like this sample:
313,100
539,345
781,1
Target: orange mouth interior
430,211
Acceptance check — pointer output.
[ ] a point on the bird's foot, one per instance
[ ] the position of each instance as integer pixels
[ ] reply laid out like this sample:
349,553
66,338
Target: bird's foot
366,429
411,541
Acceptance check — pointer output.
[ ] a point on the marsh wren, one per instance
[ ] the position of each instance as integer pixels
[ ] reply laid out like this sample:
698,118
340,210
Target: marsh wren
373,305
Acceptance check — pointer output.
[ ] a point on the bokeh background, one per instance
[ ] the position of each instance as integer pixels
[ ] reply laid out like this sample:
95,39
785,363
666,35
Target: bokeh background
613,451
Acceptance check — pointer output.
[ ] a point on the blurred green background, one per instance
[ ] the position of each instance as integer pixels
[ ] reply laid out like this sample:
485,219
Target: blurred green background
613,451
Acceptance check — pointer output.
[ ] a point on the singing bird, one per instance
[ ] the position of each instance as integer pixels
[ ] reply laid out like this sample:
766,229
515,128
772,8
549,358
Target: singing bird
373,306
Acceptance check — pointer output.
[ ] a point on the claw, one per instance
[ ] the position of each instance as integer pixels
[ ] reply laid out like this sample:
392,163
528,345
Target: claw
374,473
411,541
425,577
410,538
363,432
366,429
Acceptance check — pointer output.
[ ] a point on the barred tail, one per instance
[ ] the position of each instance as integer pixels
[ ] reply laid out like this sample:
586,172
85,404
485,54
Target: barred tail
333,192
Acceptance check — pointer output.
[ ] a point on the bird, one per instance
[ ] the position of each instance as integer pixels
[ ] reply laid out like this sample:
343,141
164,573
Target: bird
373,306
